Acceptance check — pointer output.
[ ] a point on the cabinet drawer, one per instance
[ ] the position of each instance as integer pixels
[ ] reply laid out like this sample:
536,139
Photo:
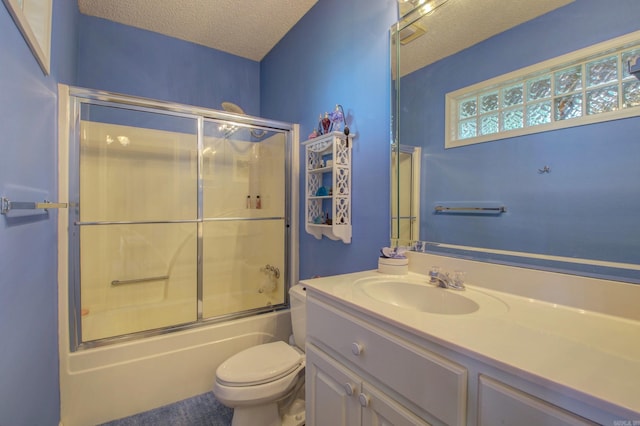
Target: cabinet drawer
430,381
501,404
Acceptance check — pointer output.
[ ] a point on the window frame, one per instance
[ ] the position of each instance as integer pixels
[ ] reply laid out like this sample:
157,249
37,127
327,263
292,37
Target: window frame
617,46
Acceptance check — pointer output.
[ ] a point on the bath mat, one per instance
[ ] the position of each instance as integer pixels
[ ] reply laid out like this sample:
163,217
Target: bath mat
200,410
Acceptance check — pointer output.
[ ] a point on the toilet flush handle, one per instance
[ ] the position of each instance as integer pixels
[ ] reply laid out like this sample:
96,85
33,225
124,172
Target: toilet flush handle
357,348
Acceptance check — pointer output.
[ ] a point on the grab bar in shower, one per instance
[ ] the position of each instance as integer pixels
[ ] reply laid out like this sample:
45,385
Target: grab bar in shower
139,280
7,205
444,209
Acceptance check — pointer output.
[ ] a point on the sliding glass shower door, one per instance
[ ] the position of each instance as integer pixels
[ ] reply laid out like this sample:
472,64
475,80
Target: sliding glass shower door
179,219
244,218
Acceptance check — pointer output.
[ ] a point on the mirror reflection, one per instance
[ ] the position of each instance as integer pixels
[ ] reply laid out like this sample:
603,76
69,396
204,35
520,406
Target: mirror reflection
515,133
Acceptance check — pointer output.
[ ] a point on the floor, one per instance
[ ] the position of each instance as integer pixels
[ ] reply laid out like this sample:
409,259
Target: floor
200,410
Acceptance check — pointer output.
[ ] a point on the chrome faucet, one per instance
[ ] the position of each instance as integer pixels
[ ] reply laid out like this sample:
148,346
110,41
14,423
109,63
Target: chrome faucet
444,280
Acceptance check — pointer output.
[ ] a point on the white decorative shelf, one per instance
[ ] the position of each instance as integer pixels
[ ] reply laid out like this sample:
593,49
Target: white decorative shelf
333,148
321,170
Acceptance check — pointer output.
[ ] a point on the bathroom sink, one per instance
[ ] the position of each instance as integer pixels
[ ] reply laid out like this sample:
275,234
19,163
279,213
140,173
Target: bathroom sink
423,297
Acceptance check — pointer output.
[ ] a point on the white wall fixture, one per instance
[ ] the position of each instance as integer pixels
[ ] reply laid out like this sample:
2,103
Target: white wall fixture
33,18
328,186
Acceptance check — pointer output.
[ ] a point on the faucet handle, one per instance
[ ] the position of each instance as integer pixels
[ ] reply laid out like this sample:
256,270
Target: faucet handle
434,273
459,278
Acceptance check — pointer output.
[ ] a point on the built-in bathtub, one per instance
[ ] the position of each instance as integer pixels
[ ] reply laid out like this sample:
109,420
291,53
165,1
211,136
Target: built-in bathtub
123,378
106,383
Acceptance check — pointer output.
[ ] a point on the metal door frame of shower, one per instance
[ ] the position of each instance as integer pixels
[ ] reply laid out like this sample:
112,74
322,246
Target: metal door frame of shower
78,96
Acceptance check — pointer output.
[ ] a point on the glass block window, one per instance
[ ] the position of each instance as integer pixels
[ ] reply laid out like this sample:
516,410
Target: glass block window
587,86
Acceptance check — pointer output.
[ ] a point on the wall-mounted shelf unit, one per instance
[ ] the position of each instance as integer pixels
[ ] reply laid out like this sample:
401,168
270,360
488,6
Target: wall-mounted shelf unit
328,186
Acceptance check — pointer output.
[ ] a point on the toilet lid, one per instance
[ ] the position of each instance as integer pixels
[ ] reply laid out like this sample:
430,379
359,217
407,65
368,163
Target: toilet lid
259,364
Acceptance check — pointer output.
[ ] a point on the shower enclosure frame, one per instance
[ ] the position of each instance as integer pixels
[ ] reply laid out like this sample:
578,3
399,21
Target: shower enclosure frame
79,96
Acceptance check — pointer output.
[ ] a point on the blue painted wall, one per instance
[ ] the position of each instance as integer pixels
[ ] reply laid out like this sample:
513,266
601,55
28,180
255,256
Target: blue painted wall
584,207
124,59
339,53
29,389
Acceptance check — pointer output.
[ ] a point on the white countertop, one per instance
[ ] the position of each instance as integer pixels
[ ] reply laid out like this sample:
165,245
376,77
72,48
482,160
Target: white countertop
594,354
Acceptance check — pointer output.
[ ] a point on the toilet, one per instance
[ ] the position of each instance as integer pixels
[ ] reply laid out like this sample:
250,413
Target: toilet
264,384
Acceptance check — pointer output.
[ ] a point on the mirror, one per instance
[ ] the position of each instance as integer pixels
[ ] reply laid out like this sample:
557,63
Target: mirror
564,198
33,18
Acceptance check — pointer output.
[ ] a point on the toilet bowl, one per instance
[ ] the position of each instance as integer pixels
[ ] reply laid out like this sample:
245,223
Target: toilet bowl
263,384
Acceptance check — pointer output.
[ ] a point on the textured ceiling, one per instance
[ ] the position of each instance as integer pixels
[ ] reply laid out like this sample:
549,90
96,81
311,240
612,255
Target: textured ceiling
250,28
247,28
459,24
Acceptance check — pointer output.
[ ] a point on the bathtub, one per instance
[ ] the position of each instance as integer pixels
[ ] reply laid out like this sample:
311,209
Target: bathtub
102,384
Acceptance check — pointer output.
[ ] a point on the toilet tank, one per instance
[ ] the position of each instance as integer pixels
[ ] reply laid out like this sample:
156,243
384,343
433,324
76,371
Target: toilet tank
298,298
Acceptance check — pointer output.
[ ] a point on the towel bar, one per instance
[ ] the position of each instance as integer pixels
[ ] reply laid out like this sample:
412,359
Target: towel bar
500,209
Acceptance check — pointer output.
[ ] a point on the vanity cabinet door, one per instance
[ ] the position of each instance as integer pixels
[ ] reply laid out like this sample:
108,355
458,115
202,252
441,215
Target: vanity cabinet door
331,392
380,410
500,404
337,396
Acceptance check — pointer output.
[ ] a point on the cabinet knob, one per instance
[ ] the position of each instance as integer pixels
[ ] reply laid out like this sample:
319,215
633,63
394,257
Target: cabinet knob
364,400
357,348
349,389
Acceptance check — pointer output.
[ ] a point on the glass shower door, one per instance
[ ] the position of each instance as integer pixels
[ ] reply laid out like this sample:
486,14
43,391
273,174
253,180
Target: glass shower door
178,217
244,227
136,220
405,191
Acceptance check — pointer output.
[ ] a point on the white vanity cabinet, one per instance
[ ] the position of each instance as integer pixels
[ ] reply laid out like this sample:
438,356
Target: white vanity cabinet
365,370
358,373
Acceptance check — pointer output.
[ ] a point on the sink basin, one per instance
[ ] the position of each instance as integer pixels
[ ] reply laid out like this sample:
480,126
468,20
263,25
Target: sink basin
422,297
419,297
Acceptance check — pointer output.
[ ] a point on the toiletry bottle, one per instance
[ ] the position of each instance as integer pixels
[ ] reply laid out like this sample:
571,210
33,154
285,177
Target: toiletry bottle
326,123
248,201
258,202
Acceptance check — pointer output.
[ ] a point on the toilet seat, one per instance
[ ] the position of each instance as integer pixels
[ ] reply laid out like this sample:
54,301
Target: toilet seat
259,365
258,375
